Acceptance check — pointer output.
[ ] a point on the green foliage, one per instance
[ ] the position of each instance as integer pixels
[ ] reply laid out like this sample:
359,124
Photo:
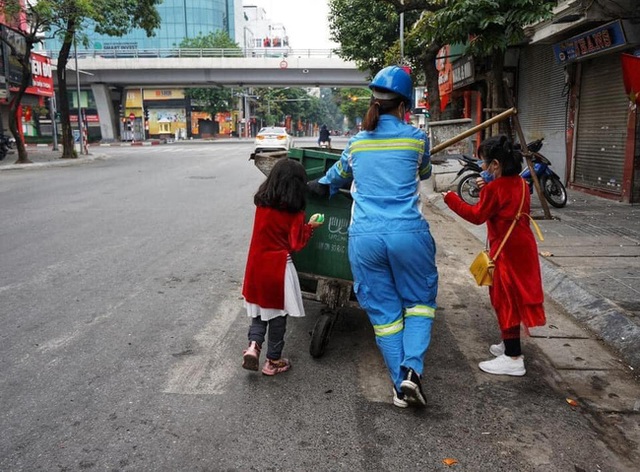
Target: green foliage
364,29
354,103
217,39
273,105
211,100
486,25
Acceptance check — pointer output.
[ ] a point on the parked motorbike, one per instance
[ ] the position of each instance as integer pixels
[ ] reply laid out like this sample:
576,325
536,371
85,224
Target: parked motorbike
551,185
470,171
6,144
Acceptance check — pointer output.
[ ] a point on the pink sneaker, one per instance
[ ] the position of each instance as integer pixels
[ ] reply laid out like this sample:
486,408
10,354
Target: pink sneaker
276,367
250,356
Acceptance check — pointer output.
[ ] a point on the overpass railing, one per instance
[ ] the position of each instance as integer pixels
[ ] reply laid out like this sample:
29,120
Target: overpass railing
200,52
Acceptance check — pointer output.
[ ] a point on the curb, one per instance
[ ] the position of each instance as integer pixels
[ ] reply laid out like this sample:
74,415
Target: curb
602,316
56,163
606,320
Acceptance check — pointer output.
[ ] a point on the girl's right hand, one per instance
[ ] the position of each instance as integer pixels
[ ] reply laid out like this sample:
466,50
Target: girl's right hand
480,182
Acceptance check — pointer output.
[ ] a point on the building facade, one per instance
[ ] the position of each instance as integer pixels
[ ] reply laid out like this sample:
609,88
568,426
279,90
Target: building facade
572,93
179,20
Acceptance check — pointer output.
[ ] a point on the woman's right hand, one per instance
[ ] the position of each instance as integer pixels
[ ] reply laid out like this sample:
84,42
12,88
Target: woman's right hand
480,182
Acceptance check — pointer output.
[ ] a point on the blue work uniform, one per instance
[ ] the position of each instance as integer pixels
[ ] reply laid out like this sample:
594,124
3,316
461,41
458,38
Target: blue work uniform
391,251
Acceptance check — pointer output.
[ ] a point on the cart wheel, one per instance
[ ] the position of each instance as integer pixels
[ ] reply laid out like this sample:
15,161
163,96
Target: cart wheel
320,335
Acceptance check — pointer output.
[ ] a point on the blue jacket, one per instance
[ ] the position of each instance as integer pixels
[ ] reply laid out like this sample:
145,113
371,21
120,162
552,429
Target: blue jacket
384,167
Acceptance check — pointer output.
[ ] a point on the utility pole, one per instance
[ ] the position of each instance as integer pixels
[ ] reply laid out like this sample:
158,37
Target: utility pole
75,51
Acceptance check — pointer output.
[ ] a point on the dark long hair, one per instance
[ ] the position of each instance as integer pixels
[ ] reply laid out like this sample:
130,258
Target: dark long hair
501,149
285,187
379,107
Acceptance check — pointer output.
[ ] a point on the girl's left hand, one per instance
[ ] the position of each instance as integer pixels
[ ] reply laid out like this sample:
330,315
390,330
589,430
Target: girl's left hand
316,220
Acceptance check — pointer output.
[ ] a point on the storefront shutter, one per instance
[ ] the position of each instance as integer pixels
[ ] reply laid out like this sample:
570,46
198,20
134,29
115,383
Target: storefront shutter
542,103
602,126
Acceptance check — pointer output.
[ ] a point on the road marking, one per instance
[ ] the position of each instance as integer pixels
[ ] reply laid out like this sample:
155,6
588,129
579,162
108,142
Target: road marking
210,370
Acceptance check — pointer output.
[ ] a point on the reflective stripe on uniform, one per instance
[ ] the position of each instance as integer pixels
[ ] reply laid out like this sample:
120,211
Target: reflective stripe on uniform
421,310
389,329
396,144
344,174
426,170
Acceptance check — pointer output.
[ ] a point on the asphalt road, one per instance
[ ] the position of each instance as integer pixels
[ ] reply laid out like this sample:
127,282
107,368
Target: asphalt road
122,328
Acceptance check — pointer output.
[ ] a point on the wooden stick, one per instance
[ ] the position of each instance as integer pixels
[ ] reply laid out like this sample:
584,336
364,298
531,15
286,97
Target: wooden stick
527,155
474,130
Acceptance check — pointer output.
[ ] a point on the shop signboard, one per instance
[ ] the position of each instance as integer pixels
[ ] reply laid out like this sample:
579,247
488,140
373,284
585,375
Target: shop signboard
463,72
12,43
605,38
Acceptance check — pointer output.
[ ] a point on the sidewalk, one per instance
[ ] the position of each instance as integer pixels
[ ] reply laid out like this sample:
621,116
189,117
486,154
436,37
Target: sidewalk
43,156
590,260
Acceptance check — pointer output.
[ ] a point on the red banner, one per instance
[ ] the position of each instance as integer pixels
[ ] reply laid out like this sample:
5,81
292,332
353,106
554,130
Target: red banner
631,76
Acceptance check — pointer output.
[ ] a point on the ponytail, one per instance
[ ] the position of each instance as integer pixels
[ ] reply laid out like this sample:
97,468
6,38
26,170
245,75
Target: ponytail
372,117
377,107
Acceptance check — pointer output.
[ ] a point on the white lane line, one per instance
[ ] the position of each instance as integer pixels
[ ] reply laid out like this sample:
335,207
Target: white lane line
209,370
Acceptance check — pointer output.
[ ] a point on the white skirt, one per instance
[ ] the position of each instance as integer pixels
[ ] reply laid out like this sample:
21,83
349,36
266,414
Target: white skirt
292,298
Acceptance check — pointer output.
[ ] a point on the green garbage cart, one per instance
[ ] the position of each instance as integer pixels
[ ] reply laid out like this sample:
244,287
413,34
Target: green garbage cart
323,266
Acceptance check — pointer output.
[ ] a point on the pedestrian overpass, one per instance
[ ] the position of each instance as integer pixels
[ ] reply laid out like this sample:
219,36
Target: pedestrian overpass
215,67
105,70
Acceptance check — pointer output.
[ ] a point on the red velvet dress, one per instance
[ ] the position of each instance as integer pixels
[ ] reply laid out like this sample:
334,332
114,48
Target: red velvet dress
516,293
276,234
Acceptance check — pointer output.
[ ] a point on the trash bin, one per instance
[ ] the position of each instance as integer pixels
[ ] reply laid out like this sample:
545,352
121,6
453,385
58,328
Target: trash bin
326,253
323,265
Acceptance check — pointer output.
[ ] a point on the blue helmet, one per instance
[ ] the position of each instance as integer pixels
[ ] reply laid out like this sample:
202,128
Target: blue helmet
394,79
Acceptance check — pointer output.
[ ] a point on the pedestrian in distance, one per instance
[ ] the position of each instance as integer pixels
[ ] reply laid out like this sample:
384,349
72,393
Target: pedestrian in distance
391,250
324,138
271,288
516,293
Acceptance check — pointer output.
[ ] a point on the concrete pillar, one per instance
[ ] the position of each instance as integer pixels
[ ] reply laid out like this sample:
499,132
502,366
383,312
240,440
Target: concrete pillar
108,118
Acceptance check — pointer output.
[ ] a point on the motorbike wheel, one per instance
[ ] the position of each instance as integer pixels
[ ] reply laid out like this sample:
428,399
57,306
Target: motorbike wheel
468,189
553,190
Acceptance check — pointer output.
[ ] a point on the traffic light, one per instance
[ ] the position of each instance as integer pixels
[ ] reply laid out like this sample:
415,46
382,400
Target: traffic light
146,114
120,110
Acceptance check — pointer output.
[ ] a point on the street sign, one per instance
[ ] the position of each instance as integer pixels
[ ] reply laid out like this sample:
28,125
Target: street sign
132,117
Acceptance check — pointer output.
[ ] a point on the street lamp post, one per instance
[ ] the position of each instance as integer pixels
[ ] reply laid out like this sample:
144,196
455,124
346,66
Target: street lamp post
402,33
80,124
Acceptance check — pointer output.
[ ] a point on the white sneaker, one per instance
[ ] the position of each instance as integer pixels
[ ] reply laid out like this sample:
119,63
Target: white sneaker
497,349
504,365
399,399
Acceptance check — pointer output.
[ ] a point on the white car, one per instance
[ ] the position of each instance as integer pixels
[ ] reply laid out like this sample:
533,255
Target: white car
273,138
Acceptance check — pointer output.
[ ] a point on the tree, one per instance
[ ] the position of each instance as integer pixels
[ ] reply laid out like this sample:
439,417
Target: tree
68,19
488,27
212,100
369,34
354,103
20,38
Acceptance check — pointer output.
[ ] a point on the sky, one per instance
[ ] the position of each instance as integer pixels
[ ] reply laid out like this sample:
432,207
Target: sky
305,20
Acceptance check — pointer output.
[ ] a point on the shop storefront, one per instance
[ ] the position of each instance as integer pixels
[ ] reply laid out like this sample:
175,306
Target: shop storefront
601,144
542,101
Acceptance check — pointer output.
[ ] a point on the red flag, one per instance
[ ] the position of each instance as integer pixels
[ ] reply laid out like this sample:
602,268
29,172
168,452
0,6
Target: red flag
631,75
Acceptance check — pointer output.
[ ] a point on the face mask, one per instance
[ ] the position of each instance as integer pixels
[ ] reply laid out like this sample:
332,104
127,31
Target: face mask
487,176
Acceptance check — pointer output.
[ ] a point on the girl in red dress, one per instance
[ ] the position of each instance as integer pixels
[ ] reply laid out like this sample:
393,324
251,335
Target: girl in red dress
271,288
516,293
